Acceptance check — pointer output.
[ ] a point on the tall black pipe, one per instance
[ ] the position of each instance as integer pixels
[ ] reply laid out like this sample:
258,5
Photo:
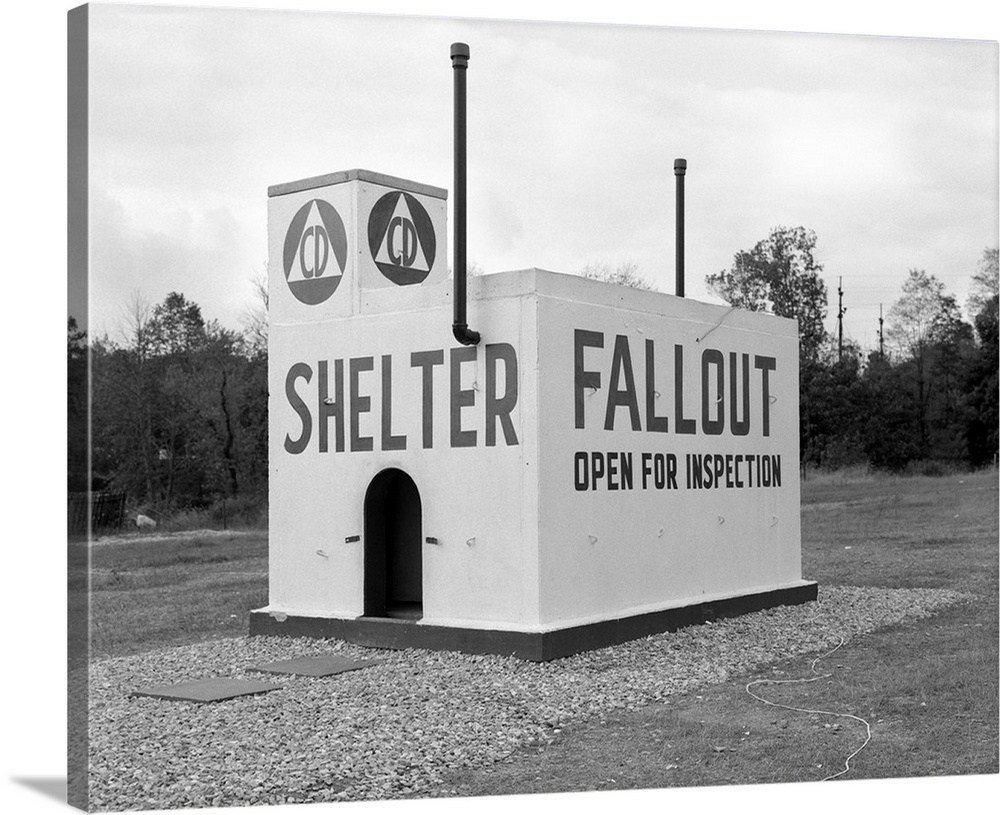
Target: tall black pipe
460,327
680,168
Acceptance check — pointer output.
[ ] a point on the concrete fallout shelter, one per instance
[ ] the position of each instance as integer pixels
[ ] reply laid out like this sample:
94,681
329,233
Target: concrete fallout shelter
604,464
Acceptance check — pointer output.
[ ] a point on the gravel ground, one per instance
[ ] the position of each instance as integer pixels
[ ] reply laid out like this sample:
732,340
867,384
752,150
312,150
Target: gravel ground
396,728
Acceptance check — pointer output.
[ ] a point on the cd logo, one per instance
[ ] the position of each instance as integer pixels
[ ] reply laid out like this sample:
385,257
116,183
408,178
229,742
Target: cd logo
315,234
401,238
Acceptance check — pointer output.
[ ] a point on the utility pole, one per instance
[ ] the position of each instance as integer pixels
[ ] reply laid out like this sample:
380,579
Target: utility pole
881,344
840,320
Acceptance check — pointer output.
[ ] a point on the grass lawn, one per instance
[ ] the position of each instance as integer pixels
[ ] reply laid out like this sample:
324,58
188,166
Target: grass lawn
928,688
155,592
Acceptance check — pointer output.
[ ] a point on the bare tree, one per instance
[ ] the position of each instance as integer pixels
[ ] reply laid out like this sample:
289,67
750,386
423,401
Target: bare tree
123,392
255,313
925,316
134,324
625,273
922,308
985,283
472,269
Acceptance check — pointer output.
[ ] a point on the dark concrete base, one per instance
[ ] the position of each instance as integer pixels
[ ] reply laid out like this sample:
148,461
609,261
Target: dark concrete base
384,632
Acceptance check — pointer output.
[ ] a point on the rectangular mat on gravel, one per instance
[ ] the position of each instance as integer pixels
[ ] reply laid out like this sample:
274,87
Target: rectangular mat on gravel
207,690
315,666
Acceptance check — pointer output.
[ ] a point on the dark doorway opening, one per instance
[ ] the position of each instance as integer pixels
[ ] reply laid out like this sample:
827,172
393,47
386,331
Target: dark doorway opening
393,555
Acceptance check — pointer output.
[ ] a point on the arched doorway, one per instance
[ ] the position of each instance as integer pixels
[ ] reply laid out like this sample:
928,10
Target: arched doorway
393,556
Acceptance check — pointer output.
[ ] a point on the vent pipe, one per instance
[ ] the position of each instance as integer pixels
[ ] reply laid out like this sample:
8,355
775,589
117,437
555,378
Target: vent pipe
680,168
460,326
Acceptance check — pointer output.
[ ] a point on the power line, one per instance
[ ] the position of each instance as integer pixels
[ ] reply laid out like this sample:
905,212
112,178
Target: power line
904,274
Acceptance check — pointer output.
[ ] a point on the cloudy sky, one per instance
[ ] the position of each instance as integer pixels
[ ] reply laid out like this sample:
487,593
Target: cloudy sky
885,147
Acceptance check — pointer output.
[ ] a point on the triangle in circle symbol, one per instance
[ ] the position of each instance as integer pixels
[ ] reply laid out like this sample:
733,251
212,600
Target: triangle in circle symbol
401,246
315,252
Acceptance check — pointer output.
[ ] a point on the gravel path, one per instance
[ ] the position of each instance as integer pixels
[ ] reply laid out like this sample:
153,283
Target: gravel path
396,728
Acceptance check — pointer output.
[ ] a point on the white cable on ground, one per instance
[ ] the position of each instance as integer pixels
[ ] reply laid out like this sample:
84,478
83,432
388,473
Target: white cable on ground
812,667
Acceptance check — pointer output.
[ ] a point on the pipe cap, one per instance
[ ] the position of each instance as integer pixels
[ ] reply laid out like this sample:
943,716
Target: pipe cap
680,166
459,50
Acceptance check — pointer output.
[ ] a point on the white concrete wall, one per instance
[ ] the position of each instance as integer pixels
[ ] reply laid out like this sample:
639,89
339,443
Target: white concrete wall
525,542
621,549
479,501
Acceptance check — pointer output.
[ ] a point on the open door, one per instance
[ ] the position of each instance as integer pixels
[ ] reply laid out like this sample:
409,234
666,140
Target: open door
393,554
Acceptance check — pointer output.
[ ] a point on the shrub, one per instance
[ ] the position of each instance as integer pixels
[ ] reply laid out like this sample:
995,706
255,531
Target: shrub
243,511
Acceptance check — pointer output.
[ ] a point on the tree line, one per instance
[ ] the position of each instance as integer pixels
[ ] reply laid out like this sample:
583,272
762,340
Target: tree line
928,393
178,410
178,404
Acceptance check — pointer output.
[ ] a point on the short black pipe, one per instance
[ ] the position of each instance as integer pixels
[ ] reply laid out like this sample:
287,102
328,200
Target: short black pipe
680,168
460,327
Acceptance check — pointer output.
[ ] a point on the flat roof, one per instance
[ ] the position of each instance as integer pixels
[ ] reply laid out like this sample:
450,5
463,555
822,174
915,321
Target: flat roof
576,289
343,176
